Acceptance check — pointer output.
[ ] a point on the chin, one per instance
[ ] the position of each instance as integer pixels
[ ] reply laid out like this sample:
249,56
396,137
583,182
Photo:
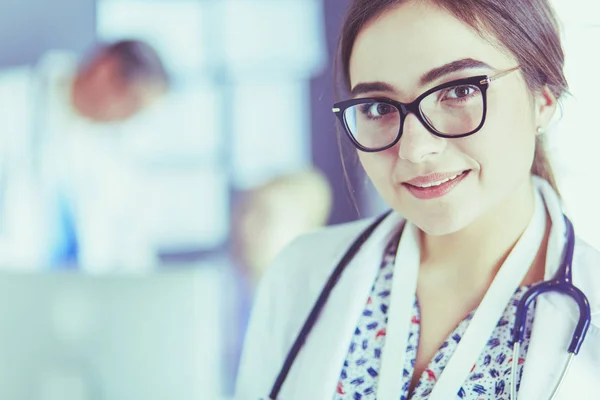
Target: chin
441,225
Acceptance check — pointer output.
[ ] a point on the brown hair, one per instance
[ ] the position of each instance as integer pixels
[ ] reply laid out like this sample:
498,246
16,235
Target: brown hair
137,61
527,28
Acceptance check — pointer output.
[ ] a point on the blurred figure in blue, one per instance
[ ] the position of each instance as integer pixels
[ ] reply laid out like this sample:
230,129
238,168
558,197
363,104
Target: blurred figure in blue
95,185
82,188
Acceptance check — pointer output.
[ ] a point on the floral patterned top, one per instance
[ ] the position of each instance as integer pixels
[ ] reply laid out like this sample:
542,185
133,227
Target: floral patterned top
489,378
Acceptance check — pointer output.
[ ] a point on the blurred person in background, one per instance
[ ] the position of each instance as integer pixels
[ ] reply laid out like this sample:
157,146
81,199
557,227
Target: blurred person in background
265,220
93,183
118,81
272,215
72,156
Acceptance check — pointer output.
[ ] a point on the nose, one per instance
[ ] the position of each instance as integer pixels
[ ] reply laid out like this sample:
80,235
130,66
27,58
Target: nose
417,144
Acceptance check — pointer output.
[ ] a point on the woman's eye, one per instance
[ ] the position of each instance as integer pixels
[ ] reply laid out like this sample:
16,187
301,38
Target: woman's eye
460,92
376,110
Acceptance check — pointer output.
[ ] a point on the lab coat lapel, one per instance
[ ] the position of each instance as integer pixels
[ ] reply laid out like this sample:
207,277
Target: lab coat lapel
320,362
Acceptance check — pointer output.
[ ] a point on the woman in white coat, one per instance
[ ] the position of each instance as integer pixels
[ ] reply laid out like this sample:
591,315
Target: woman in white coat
449,103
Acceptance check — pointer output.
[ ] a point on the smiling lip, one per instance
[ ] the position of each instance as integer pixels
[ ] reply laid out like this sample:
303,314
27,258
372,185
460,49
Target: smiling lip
433,178
435,185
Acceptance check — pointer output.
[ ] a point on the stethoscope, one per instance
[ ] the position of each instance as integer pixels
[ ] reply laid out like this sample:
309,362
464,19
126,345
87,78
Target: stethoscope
561,283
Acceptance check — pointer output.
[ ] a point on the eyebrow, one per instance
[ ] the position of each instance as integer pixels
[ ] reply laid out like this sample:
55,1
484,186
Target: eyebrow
429,77
447,69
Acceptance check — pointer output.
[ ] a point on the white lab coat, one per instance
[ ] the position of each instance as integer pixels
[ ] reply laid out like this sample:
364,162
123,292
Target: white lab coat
291,286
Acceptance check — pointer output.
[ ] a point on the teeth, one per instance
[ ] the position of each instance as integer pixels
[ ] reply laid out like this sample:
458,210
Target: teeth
438,183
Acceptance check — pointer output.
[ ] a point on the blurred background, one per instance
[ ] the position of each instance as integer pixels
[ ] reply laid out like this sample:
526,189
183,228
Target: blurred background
156,154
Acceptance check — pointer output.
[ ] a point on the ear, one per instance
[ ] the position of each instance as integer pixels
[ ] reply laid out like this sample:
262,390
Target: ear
545,104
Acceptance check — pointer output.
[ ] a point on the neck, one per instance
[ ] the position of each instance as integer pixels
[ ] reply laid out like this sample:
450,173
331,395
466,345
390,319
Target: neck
477,252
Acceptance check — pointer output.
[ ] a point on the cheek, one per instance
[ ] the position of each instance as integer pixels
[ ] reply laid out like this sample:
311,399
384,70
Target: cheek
380,169
504,148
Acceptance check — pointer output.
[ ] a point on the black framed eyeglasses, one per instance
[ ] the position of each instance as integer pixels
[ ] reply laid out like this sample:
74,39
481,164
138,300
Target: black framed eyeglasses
454,109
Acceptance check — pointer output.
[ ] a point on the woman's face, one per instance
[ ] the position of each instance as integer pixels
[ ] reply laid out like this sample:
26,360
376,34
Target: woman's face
398,49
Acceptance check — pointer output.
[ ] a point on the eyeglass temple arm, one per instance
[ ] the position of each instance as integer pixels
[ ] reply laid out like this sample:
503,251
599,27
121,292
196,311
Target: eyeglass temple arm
499,75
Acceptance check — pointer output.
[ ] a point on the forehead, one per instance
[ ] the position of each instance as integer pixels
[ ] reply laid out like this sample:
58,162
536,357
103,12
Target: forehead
410,40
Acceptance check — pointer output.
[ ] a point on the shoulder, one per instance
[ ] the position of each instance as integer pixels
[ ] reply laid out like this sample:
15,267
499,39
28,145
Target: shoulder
314,255
586,252
297,275
586,270
589,258
284,298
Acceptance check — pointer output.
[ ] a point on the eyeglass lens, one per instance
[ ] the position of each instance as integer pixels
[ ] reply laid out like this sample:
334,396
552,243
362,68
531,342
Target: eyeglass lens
452,111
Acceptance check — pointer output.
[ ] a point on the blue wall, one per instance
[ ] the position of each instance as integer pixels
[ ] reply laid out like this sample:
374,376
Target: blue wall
325,151
30,27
